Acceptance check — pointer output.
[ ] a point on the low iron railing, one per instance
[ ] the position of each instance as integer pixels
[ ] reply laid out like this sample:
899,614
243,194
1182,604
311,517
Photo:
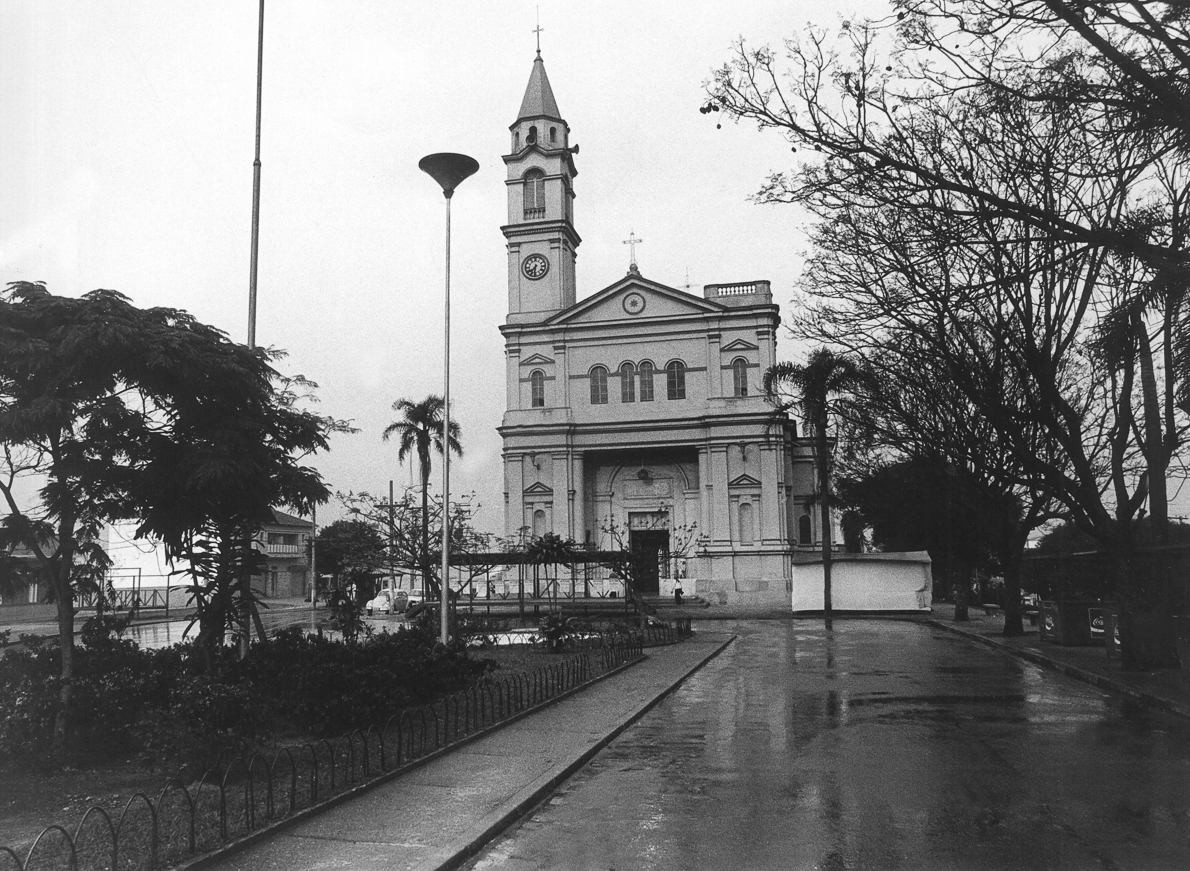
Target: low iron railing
223,805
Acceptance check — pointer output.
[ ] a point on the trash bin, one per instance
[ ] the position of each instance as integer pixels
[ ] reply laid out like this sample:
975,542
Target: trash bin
1073,622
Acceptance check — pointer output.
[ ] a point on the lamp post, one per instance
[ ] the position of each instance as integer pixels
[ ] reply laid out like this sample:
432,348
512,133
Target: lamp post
449,170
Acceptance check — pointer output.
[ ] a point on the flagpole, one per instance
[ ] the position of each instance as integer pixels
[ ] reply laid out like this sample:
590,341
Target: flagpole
245,577
256,184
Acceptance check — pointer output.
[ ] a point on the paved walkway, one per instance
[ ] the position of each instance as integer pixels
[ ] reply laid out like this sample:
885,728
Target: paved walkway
439,814
1164,689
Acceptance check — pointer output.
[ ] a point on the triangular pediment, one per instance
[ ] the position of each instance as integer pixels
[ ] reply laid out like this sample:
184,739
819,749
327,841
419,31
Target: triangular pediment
744,481
536,360
634,297
739,345
537,487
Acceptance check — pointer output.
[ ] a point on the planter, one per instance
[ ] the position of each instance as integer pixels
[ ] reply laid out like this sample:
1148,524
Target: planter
1073,622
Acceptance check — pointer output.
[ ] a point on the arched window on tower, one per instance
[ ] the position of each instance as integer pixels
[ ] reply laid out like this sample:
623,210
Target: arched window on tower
675,380
646,381
537,389
534,194
532,137
805,530
627,383
516,141
598,385
739,377
553,134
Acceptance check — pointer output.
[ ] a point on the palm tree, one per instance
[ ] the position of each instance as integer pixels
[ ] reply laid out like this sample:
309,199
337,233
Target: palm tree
824,374
419,429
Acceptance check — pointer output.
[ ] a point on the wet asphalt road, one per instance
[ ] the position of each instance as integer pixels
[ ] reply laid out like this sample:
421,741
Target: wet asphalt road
880,745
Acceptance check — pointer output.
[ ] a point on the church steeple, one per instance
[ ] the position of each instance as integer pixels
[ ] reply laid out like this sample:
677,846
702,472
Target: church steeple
540,229
539,99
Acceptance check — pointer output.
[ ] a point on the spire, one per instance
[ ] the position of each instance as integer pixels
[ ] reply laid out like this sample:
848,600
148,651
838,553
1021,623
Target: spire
539,96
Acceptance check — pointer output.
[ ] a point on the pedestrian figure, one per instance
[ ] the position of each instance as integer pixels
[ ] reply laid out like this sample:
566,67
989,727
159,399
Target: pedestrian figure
678,593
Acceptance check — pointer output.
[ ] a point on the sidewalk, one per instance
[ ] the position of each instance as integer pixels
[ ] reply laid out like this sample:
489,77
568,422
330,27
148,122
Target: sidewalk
1165,689
439,814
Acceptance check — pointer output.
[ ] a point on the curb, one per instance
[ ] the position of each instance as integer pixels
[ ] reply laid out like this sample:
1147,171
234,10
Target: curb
500,819
1149,700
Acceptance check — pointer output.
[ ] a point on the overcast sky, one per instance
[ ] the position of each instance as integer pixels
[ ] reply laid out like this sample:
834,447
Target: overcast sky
126,162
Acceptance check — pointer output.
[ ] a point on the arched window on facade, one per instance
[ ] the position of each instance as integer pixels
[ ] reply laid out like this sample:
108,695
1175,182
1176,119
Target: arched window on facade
539,523
739,377
646,381
598,386
537,389
627,383
535,194
746,533
805,531
675,380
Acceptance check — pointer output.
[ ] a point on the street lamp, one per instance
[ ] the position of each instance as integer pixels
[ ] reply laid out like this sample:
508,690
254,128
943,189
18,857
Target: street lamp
449,170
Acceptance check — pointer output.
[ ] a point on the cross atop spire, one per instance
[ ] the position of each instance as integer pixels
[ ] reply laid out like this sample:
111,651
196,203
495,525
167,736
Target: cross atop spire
632,242
537,30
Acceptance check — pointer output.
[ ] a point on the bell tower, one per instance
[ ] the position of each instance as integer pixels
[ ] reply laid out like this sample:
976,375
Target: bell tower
540,231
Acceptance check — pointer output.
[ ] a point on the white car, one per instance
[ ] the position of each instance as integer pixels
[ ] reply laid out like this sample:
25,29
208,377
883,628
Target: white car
386,602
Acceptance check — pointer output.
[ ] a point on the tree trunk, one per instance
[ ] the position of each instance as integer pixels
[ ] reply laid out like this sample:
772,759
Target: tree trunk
1147,634
1155,452
60,573
1013,558
962,594
61,738
426,580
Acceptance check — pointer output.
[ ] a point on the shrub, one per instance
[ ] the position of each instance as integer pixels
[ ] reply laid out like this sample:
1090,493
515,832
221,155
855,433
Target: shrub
159,704
207,722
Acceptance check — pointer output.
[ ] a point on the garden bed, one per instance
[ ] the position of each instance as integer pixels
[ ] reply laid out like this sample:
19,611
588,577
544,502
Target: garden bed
32,797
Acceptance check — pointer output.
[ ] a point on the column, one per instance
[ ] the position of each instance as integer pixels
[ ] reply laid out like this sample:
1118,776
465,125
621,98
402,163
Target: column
562,376
718,495
770,479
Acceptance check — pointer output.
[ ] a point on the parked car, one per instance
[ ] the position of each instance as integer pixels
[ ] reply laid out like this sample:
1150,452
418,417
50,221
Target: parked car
383,602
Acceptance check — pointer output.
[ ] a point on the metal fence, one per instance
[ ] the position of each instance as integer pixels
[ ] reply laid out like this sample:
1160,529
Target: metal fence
189,817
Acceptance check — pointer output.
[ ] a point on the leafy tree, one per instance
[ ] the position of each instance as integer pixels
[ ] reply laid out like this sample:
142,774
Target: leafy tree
232,456
931,505
105,404
1067,537
401,525
419,429
352,552
909,409
810,388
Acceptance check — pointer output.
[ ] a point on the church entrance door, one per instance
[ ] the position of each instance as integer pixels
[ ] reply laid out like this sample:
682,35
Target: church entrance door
650,550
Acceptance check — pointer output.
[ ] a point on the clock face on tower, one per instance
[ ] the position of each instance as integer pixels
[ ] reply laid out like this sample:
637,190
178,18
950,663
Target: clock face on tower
535,266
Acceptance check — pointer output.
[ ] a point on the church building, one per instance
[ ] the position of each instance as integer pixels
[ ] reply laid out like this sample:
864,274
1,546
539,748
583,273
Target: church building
635,417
